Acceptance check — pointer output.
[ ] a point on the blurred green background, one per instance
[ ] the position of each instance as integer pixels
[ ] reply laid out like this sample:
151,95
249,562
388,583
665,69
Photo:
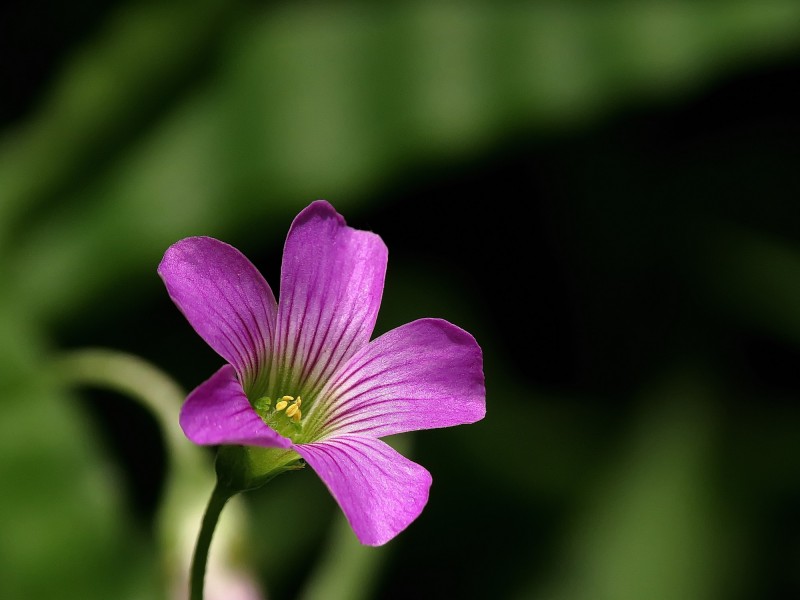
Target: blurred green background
604,193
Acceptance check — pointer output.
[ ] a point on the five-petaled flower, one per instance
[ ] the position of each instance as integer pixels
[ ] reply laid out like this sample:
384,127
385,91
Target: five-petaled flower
303,375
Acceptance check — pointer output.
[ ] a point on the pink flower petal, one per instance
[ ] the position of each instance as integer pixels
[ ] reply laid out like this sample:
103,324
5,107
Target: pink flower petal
224,298
422,375
331,286
380,491
218,412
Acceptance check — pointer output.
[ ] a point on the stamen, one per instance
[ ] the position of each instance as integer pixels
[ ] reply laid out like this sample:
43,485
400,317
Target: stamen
297,414
299,401
287,398
281,405
292,410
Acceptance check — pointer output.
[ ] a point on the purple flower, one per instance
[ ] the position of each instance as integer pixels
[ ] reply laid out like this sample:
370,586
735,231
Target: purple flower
303,375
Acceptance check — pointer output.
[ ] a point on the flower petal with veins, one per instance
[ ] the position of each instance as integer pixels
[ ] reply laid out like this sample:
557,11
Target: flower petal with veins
218,412
422,375
224,298
331,288
380,491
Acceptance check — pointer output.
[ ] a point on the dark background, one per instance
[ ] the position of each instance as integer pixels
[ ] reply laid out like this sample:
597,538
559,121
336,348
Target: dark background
628,257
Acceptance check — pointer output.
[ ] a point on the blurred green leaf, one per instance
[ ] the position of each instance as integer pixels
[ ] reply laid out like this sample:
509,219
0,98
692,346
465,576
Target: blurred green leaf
66,529
318,100
105,94
652,528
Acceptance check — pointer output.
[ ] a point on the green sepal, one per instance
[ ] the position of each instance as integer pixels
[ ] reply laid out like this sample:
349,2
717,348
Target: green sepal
241,468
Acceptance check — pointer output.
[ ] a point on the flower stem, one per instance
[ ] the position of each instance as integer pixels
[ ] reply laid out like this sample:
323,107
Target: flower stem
219,497
136,378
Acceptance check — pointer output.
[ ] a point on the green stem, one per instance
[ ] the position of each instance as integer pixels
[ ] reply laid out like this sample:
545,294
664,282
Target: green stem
134,377
219,497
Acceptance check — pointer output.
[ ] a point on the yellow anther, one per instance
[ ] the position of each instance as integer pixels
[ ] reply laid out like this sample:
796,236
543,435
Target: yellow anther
292,410
287,398
297,415
298,401
281,405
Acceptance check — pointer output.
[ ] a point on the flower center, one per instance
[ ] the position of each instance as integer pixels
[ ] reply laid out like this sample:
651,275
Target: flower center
284,415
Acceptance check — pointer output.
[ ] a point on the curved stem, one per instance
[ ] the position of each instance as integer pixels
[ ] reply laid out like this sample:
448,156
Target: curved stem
136,378
219,497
